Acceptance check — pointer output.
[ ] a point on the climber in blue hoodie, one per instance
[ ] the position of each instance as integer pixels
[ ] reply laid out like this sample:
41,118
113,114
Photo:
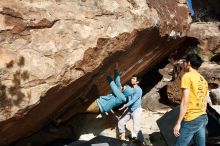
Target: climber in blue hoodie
118,96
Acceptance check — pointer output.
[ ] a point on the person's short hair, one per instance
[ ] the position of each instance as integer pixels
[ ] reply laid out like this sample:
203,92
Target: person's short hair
137,77
195,60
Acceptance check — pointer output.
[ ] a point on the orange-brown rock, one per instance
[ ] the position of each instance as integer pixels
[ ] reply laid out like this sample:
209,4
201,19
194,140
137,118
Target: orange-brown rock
56,54
208,37
211,72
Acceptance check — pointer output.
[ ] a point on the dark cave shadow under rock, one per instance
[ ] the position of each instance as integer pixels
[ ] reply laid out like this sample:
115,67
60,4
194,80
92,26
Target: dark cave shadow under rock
156,139
90,123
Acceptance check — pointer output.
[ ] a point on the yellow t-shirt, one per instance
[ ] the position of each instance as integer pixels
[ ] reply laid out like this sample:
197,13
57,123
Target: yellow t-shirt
198,87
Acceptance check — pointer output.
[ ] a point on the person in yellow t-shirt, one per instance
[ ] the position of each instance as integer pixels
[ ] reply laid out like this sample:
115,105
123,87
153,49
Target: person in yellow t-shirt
192,118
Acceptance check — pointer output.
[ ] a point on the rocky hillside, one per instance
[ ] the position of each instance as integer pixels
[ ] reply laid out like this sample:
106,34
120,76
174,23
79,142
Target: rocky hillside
55,54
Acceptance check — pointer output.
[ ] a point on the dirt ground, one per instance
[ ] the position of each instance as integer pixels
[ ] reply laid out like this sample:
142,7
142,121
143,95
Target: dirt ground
93,125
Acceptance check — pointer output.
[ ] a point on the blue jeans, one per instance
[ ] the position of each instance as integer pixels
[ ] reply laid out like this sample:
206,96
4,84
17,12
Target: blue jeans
189,3
193,129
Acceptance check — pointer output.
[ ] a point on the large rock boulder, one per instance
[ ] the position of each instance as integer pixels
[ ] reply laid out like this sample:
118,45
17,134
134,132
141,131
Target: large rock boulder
209,39
55,54
208,47
215,96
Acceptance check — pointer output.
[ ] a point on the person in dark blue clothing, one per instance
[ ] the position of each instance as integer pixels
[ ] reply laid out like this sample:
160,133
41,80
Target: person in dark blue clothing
110,101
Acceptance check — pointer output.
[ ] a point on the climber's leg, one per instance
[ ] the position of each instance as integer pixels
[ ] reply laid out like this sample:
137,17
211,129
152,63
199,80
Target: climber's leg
116,91
117,78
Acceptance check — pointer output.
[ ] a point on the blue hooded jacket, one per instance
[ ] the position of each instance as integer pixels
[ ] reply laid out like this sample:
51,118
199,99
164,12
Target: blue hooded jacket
116,98
134,101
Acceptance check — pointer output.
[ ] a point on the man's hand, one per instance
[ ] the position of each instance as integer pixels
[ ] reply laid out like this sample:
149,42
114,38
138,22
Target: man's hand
176,129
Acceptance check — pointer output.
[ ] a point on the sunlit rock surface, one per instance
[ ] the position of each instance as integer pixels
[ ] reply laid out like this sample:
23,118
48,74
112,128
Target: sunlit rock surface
56,54
208,37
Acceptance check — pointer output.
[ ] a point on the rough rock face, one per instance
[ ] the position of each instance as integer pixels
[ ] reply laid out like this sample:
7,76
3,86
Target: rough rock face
215,96
56,53
208,47
155,99
210,71
204,5
208,35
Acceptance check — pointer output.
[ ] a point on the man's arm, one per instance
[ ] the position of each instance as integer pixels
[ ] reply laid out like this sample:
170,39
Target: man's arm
183,108
135,97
